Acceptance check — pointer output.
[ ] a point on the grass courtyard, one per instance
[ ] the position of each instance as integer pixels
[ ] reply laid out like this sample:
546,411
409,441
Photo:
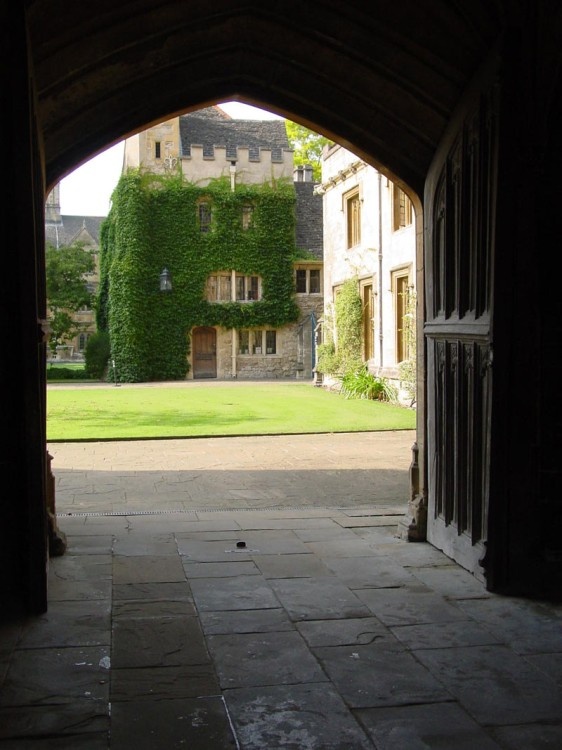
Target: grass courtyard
215,409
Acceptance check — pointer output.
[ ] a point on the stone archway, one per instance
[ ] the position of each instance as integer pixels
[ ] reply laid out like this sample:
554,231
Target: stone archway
386,83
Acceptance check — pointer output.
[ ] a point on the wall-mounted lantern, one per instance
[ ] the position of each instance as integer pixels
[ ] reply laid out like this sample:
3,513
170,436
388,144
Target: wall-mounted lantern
165,281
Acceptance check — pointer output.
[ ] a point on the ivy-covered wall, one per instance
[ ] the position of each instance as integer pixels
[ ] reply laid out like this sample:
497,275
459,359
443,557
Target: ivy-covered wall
154,224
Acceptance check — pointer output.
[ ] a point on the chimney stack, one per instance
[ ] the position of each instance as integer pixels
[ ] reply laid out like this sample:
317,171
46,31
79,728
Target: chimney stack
303,173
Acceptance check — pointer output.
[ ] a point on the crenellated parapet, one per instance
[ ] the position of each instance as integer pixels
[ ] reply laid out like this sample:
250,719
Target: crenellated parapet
249,165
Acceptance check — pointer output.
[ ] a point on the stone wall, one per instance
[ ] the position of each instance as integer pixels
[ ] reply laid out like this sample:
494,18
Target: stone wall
293,359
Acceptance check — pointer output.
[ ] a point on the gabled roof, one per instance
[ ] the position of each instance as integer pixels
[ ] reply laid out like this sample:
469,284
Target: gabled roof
212,127
69,228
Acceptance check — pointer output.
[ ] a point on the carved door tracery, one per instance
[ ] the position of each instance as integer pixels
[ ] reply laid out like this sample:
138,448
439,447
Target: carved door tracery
458,335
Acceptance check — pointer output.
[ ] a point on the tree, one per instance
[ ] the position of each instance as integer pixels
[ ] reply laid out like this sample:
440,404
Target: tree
98,351
66,269
307,147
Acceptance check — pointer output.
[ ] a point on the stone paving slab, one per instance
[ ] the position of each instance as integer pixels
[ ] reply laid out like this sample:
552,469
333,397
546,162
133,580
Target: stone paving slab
231,594
265,658
311,716
144,608
379,674
79,718
164,683
157,642
70,623
147,569
550,663
408,605
323,532
452,581
417,727
209,550
341,547
153,591
529,737
195,723
361,631
58,675
374,571
89,545
318,598
89,741
435,634
83,567
494,685
529,627
85,590
256,542
145,544
245,621
290,566
227,569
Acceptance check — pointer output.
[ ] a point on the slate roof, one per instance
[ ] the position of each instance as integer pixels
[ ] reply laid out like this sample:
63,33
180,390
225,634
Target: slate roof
65,231
212,127
309,219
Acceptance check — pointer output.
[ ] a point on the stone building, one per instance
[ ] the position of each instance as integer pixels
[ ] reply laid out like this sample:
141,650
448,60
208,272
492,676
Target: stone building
209,144
61,230
369,235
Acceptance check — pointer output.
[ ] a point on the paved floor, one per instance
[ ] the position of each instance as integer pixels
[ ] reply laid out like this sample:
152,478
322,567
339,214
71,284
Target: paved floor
252,593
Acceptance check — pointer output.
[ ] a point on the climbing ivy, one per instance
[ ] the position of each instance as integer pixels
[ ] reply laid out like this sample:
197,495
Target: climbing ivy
153,224
408,368
341,351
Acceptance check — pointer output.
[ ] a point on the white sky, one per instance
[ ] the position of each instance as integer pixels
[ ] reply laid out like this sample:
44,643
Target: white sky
87,190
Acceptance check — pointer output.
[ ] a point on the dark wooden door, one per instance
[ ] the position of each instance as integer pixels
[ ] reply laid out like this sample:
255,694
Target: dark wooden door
459,251
204,347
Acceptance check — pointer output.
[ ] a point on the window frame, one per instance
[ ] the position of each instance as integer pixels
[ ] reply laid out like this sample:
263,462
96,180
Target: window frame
247,216
251,285
307,269
400,281
402,209
204,215
84,335
352,201
368,317
256,342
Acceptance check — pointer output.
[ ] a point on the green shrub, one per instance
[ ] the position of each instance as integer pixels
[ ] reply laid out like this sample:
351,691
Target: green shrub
361,383
66,373
326,358
97,354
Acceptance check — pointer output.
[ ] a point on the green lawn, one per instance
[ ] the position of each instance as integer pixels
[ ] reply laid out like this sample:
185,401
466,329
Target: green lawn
90,413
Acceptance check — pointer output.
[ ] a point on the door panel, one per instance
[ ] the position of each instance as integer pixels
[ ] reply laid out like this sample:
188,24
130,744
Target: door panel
458,336
204,344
